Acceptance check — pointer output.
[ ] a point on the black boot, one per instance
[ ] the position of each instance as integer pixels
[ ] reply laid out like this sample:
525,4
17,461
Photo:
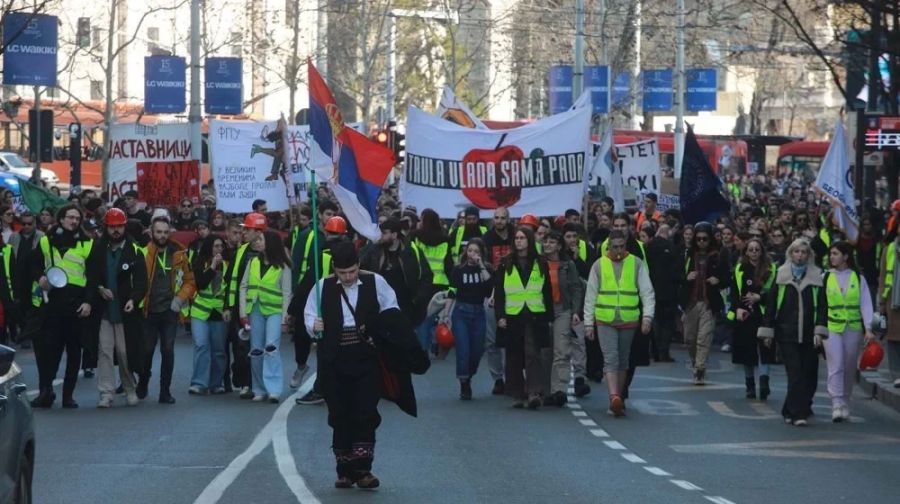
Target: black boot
764,387
44,399
581,388
751,387
142,387
465,390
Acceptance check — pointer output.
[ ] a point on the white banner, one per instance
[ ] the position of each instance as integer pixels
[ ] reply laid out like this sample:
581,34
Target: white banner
537,168
130,144
639,163
667,201
245,166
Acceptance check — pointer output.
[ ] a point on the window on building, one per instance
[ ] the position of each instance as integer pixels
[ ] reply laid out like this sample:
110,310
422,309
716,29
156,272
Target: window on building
96,90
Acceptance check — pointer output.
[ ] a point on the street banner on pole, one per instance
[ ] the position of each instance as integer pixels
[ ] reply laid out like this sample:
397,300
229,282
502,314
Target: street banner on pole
537,168
246,166
168,183
30,45
130,144
639,166
596,81
560,89
834,182
453,109
701,89
621,90
164,84
657,90
224,80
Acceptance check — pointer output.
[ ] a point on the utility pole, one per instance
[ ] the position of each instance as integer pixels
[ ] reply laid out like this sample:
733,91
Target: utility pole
636,70
321,32
389,66
578,77
194,111
36,172
679,89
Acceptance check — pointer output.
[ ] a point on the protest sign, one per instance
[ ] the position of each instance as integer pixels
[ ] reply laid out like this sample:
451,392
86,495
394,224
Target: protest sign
246,166
639,164
130,144
168,183
667,201
535,168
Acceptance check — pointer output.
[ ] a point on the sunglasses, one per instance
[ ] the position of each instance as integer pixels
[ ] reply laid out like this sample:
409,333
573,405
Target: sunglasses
702,238
187,206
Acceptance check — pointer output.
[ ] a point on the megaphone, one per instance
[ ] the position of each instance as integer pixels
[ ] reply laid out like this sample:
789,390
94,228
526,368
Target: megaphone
57,277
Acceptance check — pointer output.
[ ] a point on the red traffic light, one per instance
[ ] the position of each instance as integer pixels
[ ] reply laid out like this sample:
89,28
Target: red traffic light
381,137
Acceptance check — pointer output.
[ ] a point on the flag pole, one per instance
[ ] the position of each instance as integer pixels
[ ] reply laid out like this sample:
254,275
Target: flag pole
315,231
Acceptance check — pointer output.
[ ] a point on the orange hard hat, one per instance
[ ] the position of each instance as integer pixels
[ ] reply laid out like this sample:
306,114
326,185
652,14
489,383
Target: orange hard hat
336,225
256,220
895,206
529,220
559,222
115,217
443,335
871,356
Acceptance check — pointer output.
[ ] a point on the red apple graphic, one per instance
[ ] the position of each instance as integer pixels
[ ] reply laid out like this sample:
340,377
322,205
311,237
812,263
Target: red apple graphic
493,197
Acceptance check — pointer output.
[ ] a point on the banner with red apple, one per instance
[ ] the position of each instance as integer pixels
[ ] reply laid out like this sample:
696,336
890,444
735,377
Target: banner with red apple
537,168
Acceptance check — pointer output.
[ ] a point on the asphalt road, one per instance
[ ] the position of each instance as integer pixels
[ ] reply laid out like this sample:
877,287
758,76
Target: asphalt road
678,443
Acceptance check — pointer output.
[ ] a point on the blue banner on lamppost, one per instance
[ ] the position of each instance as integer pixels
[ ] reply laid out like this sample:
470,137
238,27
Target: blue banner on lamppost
164,84
701,89
224,91
621,90
30,42
596,80
560,88
657,90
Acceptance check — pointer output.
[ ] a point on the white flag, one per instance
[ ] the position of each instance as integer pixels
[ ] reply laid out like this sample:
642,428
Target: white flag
834,182
606,168
453,109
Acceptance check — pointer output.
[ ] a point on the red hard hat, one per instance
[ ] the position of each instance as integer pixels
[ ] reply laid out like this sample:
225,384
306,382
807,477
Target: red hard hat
336,225
444,336
559,222
895,206
529,220
871,356
256,220
115,217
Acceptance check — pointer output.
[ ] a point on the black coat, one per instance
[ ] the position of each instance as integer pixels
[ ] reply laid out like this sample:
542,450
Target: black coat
417,278
717,266
662,258
131,283
803,310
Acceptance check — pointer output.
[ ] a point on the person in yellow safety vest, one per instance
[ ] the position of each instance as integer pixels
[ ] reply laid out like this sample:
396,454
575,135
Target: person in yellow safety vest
7,292
795,317
170,286
434,244
65,247
304,218
253,226
648,213
622,222
27,293
581,252
208,328
889,305
523,302
303,259
119,321
265,295
619,298
753,277
849,319
462,234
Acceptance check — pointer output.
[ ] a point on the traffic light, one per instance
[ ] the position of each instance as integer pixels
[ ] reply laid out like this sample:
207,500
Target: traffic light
83,35
382,137
397,141
45,133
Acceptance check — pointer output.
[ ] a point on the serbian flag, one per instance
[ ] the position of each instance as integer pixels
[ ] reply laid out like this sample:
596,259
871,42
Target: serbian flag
360,165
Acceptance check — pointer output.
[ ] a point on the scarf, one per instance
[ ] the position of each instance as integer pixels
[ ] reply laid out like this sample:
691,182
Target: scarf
798,271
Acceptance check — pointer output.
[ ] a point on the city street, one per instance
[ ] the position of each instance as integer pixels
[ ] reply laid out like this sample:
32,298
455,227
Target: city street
678,443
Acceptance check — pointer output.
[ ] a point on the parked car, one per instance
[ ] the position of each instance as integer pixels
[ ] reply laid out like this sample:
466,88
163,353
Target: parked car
16,433
13,163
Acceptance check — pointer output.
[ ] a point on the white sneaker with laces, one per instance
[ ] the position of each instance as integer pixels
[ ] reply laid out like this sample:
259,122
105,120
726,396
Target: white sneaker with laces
105,402
837,414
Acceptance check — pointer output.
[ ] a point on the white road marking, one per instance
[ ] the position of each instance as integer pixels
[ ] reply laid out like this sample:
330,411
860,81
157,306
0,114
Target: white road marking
573,405
579,413
718,500
615,445
599,433
687,485
721,408
587,422
634,459
217,487
32,393
656,471
794,449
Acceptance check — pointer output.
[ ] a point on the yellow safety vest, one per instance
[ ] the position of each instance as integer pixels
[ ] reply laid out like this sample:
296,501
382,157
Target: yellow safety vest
265,290
889,268
72,262
457,240
739,281
582,250
518,295
617,295
233,280
435,256
207,301
326,263
7,253
843,308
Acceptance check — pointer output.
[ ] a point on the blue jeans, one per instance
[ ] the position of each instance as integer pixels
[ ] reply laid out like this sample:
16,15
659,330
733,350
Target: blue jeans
209,352
265,359
468,322
425,331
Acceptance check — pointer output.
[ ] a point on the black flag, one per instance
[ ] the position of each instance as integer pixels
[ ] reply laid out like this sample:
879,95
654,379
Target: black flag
701,198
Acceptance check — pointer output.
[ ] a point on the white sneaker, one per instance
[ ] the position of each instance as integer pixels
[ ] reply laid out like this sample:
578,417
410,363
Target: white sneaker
726,348
105,402
897,383
845,412
837,414
259,397
131,398
800,422
299,374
